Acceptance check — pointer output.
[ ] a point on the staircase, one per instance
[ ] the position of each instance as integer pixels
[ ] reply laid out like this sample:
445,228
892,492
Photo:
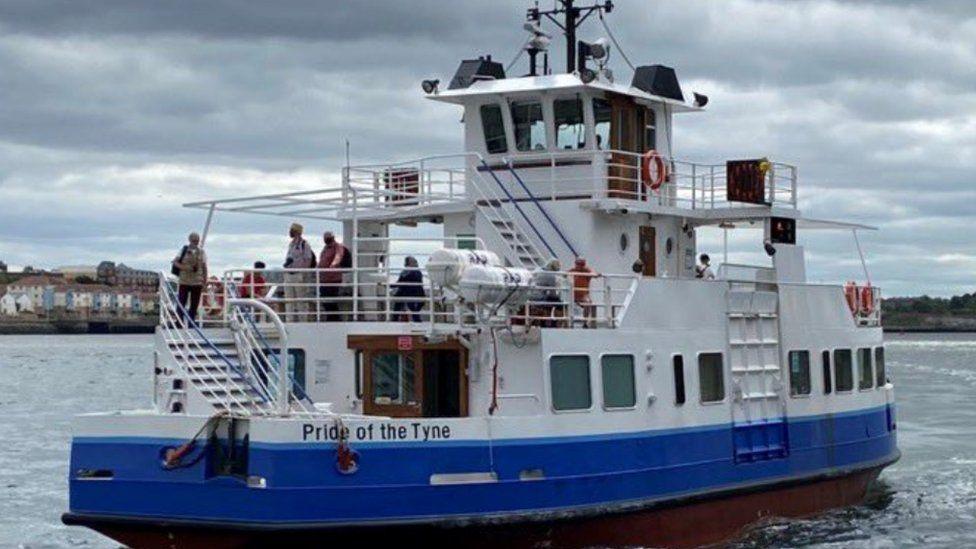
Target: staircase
760,430
519,239
234,372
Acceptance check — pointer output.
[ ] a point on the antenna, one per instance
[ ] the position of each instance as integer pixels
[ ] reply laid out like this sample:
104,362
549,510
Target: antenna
573,17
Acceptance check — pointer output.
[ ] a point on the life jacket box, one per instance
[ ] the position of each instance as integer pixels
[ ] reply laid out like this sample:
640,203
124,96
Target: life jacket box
446,266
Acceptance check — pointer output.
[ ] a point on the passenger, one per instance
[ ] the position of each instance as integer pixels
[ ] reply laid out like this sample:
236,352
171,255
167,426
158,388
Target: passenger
254,285
548,284
333,259
191,268
298,285
409,284
704,271
582,276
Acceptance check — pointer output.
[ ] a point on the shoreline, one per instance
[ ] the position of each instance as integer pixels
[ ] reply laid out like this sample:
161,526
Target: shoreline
41,327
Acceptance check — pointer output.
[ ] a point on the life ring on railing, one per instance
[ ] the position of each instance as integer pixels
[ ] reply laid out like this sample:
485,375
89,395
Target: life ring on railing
867,300
850,295
653,178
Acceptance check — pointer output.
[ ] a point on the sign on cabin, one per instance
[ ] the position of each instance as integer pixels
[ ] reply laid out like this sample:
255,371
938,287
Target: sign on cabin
746,181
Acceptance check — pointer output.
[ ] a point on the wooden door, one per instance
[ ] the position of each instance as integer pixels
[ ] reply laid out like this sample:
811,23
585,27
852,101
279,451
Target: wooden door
624,171
393,382
648,250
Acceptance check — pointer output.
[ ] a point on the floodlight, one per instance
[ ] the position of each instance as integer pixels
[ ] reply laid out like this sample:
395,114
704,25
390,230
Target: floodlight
430,86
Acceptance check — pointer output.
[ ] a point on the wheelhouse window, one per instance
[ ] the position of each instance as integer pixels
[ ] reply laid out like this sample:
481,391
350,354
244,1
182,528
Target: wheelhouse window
843,369
865,380
827,378
799,373
678,364
619,390
570,130
601,119
650,129
880,376
530,128
570,382
710,377
494,128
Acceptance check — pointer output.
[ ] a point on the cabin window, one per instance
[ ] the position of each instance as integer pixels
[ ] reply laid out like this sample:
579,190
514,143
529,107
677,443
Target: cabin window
678,364
825,363
710,378
530,129
865,380
494,128
570,130
570,381
799,373
650,129
843,369
393,378
880,377
601,120
619,389
296,367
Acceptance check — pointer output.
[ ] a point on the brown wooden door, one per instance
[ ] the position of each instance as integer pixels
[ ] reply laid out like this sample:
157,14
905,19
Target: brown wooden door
648,250
625,133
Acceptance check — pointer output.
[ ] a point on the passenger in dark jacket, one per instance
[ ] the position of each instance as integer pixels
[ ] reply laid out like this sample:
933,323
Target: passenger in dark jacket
409,284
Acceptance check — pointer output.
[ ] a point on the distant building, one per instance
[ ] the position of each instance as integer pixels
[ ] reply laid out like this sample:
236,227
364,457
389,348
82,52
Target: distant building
12,304
39,288
108,272
3,267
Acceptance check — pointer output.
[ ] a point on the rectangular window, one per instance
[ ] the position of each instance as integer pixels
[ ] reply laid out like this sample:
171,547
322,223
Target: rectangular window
880,376
825,362
866,380
843,369
296,369
393,378
467,242
570,380
530,129
710,377
619,389
799,372
650,130
601,119
570,130
494,128
679,379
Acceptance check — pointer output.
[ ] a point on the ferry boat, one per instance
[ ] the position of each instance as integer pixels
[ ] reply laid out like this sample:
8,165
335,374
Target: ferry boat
487,393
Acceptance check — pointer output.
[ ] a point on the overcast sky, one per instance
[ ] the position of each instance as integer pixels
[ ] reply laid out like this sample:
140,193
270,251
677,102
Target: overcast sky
114,113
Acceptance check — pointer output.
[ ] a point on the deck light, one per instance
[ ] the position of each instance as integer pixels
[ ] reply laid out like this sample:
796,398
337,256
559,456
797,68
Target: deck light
700,99
587,76
430,86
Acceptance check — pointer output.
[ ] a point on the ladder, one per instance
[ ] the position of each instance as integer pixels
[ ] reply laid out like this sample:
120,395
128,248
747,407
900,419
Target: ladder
522,243
759,426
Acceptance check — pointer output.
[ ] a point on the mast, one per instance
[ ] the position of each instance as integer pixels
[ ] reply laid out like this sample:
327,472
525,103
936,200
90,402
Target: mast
573,17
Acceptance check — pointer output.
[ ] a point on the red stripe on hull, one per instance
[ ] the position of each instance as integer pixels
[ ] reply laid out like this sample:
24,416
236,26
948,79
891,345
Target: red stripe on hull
690,524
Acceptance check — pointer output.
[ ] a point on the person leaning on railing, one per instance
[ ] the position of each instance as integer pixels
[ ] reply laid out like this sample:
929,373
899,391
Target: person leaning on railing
298,285
410,284
582,276
191,268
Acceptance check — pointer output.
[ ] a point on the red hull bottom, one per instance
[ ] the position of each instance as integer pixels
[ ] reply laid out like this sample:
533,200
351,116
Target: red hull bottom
689,524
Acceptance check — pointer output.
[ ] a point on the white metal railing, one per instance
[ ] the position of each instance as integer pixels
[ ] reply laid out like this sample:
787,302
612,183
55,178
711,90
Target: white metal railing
200,361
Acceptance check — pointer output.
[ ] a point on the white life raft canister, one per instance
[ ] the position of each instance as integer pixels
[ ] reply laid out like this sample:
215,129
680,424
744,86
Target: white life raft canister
489,285
447,265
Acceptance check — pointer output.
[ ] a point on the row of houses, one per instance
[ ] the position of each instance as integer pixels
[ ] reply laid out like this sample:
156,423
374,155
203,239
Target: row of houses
45,295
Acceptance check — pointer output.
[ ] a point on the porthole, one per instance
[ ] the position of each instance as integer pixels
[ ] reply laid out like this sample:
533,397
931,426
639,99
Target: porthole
669,245
624,241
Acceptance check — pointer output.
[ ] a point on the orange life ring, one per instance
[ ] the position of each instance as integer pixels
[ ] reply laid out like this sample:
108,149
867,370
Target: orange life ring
867,300
653,181
850,294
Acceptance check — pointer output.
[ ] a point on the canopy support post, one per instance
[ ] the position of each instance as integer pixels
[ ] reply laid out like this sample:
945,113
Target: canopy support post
206,225
860,253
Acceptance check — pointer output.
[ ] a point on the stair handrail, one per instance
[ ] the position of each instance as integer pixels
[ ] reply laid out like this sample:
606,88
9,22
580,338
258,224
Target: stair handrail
532,197
172,315
284,383
514,203
262,342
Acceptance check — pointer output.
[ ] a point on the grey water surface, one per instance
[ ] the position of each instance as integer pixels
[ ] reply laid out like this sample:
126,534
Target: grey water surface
926,499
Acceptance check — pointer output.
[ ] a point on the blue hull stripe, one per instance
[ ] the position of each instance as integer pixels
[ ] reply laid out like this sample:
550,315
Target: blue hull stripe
393,482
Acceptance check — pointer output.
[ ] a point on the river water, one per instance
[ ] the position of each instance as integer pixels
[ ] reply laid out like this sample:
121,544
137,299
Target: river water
926,499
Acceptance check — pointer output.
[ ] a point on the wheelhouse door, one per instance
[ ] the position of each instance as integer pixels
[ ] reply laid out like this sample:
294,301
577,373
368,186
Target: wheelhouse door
627,135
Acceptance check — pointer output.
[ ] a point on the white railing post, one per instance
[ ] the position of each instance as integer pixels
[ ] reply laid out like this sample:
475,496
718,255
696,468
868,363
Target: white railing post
284,383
